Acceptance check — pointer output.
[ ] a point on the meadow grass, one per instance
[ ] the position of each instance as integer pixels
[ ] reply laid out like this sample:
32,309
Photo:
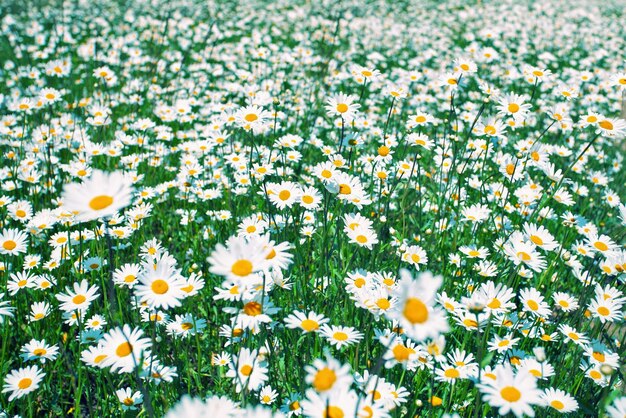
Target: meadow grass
320,209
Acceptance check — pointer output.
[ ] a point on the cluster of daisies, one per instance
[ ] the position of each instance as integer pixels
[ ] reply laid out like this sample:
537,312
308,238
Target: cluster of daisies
319,209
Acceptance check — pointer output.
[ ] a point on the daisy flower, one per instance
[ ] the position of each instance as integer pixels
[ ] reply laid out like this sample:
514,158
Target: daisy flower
510,392
415,310
13,242
124,348
340,336
340,403
502,344
128,398
78,298
524,252
39,350
248,370
611,127
160,284
362,236
617,409
285,194
239,259
126,275
23,381
533,302
38,311
100,196
414,255
559,400
328,376
253,118
310,322
267,395
342,105
540,236
565,301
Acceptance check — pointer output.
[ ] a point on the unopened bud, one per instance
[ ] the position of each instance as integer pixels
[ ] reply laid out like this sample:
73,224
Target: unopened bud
607,370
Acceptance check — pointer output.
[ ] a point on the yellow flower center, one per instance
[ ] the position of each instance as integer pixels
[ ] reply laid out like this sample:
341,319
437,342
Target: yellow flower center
510,394
251,117
556,404
342,108
100,202
340,336
402,353
494,304
24,383
39,352
324,379
383,151
242,268
344,189
333,412
605,124
124,349
78,299
160,286
9,245
252,308
309,325
523,256
383,303
415,311
601,246
246,370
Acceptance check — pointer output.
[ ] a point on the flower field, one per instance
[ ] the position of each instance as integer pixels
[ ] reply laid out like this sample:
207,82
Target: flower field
312,208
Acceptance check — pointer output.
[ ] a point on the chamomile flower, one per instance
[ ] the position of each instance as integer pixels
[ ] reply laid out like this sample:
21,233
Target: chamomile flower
239,259
100,196
78,298
22,381
415,310
13,242
340,336
343,106
559,400
124,348
248,370
511,392
310,322
129,399
39,350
